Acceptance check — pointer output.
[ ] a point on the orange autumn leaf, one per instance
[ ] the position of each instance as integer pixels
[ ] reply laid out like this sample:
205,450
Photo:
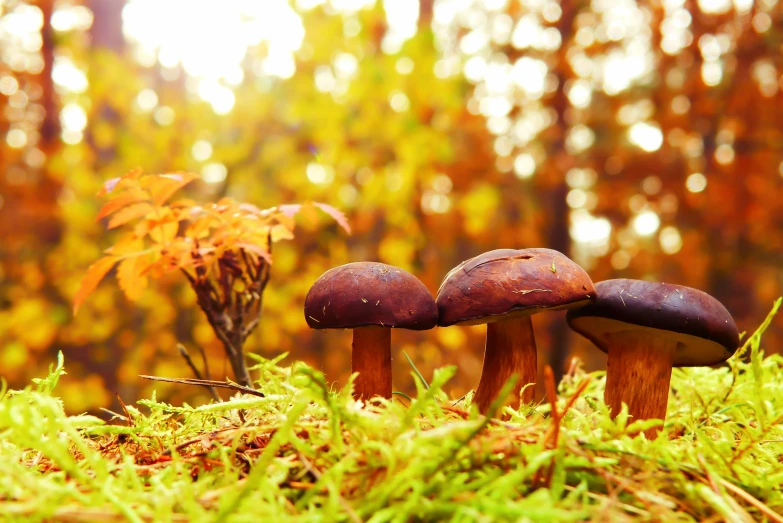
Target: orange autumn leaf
128,245
95,274
120,182
121,201
130,213
164,232
164,186
288,211
130,276
185,236
281,232
336,214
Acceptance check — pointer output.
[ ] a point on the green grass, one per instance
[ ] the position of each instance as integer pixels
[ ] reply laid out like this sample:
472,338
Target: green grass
307,453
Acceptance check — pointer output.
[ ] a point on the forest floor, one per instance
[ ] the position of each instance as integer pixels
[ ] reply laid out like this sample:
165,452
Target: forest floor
306,452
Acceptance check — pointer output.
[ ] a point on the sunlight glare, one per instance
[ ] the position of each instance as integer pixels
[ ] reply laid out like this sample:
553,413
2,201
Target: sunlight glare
147,100
646,223
201,150
646,136
529,74
524,166
73,117
696,182
211,44
214,173
590,230
402,17
580,93
670,240
16,138
620,260
67,76
714,7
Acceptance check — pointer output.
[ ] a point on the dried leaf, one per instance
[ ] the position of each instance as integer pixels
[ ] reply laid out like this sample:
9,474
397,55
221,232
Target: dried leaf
95,274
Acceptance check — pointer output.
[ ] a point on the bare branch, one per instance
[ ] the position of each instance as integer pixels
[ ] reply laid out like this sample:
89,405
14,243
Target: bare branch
204,383
184,353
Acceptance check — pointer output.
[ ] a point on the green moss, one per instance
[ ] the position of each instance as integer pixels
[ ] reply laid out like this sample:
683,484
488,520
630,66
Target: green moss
307,453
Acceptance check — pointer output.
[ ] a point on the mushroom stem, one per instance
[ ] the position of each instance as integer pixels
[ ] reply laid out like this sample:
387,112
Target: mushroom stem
371,358
510,349
638,372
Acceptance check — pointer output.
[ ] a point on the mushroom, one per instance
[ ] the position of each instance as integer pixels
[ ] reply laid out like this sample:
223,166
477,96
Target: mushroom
504,288
370,298
646,328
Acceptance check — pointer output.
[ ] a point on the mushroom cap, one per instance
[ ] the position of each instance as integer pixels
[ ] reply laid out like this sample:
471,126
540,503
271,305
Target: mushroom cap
504,282
368,293
704,330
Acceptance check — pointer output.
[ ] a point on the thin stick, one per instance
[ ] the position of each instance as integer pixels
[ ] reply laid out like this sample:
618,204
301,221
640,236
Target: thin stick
184,353
207,374
125,410
771,514
204,383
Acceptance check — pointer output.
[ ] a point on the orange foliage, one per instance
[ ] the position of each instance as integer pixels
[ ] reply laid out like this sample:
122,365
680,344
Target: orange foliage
224,250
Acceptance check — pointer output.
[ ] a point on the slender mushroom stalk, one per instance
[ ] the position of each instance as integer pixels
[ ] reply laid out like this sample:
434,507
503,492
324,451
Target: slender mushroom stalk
503,288
510,349
648,328
371,358
372,299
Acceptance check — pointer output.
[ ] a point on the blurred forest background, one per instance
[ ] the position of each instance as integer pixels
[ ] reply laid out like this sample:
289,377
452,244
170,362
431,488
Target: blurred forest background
643,139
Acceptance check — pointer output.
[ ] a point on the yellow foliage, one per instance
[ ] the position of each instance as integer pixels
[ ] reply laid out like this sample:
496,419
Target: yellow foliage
379,165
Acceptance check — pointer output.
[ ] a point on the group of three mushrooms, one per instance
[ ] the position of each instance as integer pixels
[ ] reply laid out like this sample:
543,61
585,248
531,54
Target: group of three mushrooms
646,328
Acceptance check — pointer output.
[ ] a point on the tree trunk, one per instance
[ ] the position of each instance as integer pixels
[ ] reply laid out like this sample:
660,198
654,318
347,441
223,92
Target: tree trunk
559,237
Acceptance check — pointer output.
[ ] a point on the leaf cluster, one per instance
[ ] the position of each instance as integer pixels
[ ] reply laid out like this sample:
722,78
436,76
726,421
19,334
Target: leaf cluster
201,240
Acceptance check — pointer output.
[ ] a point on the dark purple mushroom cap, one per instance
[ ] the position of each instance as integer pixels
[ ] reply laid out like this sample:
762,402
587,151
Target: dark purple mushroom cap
368,293
506,282
704,330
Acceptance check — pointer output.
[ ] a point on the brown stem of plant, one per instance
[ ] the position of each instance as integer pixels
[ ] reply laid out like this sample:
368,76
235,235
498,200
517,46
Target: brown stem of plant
638,373
232,314
510,349
224,330
371,358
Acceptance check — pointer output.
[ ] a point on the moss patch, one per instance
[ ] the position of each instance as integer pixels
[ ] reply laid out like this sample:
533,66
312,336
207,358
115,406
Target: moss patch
306,452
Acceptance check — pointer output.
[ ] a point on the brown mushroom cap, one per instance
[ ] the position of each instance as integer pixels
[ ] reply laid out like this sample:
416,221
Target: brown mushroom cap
367,293
521,282
704,330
